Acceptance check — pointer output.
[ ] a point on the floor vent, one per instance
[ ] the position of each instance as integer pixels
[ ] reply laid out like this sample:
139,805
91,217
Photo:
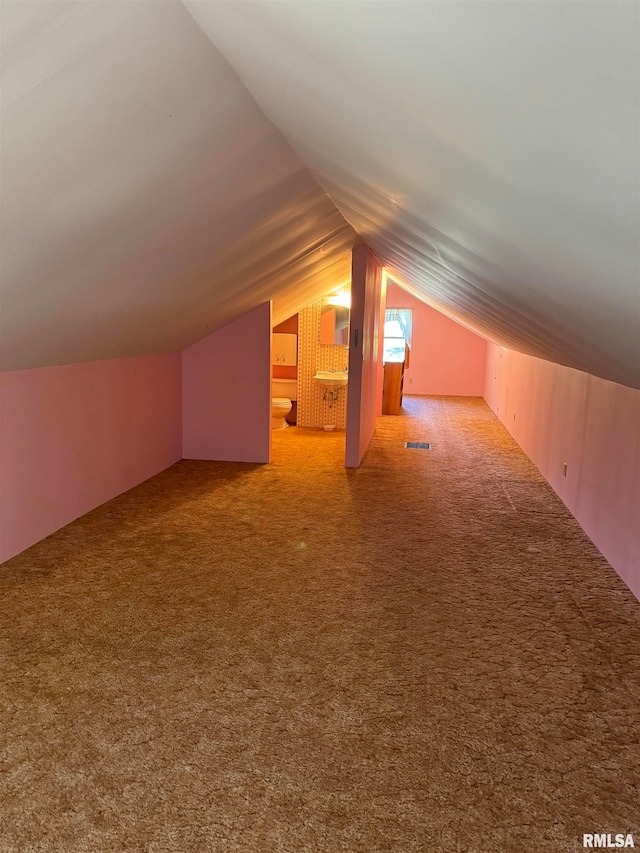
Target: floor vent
417,445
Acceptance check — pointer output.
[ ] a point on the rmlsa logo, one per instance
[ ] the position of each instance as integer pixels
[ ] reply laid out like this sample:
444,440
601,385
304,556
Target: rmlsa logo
607,840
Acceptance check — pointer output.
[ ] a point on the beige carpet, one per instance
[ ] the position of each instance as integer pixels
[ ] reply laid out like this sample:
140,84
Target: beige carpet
424,654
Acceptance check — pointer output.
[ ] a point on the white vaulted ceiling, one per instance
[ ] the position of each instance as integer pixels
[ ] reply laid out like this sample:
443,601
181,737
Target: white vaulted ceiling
146,200
487,152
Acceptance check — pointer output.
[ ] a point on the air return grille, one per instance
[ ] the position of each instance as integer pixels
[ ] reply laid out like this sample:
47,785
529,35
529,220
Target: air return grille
417,445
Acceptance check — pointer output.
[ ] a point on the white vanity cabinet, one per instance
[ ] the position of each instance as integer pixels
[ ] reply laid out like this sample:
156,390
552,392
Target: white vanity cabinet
285,349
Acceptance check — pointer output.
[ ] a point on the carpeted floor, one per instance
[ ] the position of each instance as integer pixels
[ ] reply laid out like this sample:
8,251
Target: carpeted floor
424,654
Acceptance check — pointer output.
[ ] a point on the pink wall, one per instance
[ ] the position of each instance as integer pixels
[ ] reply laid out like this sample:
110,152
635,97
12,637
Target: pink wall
226,392
592,425
365,358
75,436
380,377
446,358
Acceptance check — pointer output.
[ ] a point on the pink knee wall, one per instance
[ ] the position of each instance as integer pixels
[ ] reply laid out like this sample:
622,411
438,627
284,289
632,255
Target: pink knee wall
75,436
226,392
592,425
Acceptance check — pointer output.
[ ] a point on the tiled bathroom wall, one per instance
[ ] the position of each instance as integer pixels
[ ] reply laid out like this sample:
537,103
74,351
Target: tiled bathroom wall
313,411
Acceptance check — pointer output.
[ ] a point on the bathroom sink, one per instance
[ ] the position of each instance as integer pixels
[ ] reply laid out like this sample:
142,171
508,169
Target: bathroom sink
331,379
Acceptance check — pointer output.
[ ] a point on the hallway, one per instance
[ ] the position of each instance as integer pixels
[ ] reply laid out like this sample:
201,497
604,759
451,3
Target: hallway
424,653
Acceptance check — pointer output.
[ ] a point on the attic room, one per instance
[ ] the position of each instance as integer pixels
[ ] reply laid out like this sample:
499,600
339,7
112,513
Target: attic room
365,631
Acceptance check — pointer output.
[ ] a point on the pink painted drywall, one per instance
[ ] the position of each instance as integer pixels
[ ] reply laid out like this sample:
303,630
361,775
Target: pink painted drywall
593,425
365,356
226,392
446,358
75,436
380,376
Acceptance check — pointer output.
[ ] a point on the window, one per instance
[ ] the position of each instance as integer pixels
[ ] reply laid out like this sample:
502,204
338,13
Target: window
397,333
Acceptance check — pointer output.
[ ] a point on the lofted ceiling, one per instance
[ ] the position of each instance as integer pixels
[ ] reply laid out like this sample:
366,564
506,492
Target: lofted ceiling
146,200
487,152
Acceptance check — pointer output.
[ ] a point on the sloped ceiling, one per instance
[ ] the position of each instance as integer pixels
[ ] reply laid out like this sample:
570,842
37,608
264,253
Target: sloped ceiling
487,152
146,200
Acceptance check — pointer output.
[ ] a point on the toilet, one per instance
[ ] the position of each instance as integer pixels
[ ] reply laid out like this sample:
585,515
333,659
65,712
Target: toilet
283,391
